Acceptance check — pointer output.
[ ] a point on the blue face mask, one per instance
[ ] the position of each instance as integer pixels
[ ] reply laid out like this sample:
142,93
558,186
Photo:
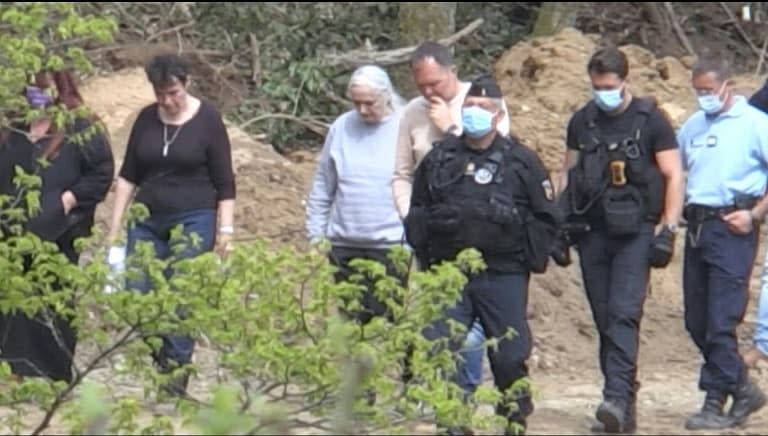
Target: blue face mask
477,122
711,104
608,100
37,97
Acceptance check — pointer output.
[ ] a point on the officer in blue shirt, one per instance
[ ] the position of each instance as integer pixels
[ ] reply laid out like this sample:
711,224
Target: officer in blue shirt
725,151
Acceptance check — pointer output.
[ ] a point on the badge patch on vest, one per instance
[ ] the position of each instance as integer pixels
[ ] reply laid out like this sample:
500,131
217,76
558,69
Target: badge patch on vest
549,191
483,176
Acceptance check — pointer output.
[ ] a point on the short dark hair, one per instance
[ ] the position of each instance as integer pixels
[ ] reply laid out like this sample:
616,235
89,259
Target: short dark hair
430,49
164,68
609,60
712,64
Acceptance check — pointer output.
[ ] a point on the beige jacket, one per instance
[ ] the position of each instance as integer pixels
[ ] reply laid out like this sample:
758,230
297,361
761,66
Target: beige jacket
415,139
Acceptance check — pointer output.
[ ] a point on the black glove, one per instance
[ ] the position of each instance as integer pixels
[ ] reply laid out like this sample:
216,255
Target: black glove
443,218
561,251
662,248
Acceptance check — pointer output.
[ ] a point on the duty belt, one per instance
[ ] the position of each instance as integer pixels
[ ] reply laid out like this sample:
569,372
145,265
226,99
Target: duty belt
695,213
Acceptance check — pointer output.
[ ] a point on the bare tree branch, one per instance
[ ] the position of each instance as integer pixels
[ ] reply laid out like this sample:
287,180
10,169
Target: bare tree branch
174,29
60,398
255,59
312,124
678,29
760,61
735,22
359,57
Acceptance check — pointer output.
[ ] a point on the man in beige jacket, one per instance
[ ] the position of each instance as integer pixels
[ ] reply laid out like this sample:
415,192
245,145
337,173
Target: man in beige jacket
427,118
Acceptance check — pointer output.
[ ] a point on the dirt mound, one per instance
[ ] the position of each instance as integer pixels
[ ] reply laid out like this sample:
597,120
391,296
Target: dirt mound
545,81
270,188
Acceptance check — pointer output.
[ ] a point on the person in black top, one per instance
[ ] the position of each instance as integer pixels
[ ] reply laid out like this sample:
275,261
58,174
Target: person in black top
622,175
760,98
179,158
487,191
76,178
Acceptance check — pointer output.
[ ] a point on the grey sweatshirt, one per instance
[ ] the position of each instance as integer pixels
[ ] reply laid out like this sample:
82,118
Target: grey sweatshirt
351,198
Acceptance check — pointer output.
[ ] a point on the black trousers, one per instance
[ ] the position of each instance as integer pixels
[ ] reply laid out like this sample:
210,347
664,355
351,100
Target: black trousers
500,302
716,273
28,344
372,306
616,271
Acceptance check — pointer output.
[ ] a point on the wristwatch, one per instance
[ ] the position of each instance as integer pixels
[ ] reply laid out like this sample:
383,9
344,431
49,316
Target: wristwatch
671,227
452,129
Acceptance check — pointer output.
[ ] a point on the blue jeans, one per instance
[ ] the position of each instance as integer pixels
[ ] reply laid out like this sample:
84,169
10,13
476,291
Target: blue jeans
157,230
472,366
761,327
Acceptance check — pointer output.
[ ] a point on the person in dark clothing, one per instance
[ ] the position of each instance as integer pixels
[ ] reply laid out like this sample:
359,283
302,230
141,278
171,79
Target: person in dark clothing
760,98
622,175
486,191
77,177
179,159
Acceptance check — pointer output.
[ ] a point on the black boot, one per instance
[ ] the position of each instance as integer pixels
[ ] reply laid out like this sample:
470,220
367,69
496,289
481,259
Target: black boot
747,400
612,414
711,416
630,415
177,386
517,419
456,431
516,426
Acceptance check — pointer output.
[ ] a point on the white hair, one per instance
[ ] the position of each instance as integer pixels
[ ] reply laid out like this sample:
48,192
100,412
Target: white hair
375,78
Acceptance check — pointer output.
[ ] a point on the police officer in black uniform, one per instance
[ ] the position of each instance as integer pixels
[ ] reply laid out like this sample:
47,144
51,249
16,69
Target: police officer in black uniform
622,176
489,192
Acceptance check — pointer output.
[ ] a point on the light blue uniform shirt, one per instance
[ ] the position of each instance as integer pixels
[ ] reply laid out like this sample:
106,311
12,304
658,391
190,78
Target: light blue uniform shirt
726,155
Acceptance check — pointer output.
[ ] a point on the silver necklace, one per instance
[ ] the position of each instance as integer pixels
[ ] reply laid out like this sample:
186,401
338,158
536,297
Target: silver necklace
166,142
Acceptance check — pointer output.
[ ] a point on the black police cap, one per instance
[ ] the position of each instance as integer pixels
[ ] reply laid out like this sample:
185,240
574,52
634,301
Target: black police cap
484,86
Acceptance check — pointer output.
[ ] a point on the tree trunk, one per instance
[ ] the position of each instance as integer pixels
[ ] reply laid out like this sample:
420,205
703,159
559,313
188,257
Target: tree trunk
553,17
421,22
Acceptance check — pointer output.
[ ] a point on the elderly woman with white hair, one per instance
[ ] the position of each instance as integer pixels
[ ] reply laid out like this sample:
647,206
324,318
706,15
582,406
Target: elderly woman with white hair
350,203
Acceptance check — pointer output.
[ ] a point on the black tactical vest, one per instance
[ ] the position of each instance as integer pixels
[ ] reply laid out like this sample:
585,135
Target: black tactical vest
482,189
620,166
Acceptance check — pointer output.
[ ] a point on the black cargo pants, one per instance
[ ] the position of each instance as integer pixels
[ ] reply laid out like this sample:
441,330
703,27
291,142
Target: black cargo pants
615,272
500,302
